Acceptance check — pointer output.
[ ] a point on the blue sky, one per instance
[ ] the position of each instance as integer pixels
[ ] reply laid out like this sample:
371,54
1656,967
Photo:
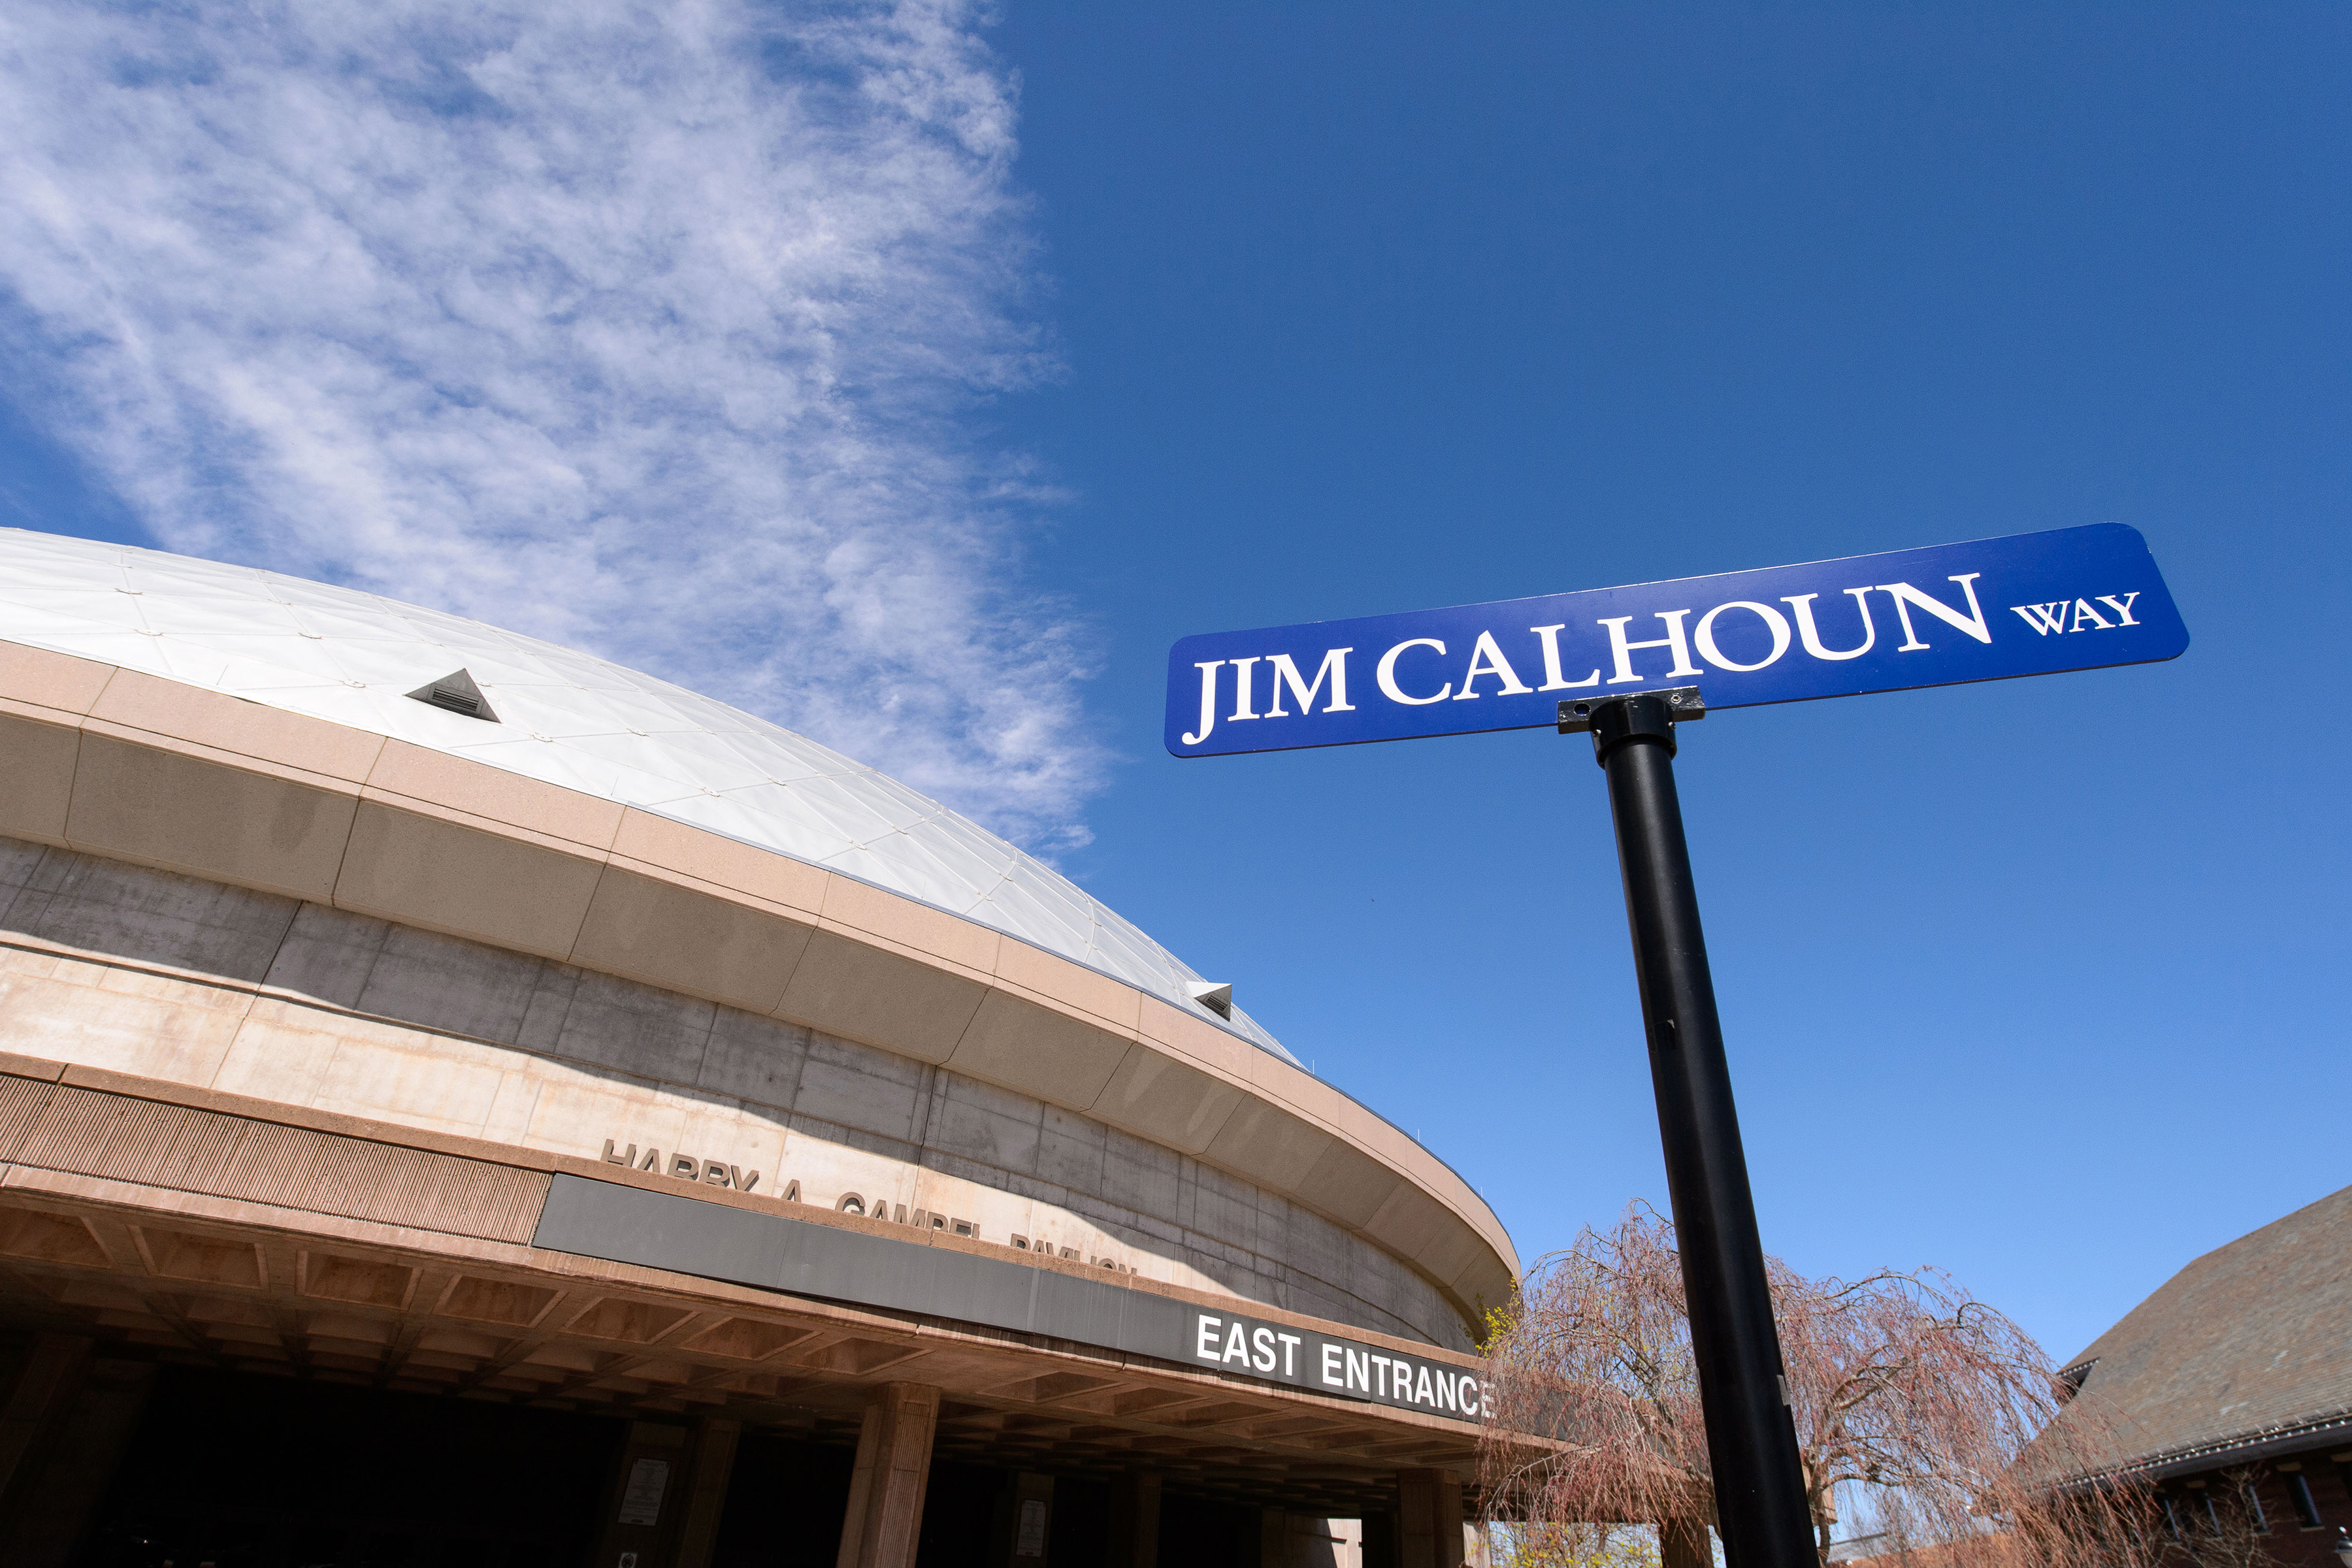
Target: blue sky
1363,312
1126,323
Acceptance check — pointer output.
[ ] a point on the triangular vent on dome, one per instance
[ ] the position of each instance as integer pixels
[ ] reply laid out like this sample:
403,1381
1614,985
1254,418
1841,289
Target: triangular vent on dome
456,692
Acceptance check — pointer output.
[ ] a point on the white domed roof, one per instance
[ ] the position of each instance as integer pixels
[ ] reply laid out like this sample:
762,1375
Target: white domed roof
566,719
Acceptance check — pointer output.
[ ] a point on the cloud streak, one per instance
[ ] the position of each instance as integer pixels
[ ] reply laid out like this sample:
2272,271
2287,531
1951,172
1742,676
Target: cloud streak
657,331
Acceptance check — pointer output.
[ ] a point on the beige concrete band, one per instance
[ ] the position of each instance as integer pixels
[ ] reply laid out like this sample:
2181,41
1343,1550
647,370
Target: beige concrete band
120,763
158,1136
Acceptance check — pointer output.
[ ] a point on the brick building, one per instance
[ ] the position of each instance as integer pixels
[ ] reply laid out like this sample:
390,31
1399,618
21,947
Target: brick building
2231,1387
462,1102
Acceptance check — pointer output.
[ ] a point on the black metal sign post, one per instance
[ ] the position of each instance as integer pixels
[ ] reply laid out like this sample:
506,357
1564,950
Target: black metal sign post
1992,609
1751,1440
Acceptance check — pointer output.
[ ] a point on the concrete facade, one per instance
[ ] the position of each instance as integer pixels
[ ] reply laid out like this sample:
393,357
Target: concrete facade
169,976
128,768
307,1029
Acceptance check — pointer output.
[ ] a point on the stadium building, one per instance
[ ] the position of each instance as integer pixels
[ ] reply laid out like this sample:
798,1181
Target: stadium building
465,1102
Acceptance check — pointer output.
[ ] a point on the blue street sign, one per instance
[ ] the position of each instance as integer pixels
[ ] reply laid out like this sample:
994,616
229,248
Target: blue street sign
2032,603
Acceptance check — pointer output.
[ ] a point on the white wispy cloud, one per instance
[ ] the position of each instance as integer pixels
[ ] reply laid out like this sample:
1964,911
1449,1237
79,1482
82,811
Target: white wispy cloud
657,329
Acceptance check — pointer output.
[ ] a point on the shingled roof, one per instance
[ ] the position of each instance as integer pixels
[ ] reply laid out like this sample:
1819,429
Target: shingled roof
2246,1352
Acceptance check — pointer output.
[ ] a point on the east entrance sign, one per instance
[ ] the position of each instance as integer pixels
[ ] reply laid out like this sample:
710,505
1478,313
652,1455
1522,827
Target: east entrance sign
2032,603
1624,665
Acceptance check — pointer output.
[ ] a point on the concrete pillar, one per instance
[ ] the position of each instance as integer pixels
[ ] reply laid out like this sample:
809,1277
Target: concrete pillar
72,1465
1429,1519
1134,1521
714,1467
51,1381
1273,1537
885,1520
1683,1544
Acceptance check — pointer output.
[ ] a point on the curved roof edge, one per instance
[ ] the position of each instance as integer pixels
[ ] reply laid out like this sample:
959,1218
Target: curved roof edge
564,717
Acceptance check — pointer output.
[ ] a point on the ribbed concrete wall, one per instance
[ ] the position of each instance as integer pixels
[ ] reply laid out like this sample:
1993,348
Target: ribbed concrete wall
89,1133
117,966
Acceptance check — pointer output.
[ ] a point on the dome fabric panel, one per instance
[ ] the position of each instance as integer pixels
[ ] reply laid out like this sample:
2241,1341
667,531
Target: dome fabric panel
564,719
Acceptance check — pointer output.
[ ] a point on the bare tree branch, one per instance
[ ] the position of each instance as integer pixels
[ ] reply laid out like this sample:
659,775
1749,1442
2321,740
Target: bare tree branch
1909,1394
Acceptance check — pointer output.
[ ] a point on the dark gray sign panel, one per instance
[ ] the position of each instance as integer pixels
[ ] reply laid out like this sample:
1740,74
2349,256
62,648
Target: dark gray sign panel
1345,1369
775,1252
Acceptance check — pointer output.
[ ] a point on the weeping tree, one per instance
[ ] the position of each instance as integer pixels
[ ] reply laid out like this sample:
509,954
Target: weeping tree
1912,1399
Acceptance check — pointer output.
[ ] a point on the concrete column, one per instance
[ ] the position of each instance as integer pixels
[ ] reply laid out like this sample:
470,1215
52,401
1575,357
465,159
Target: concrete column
72,1466
1452,1542
714,1467
1683,1544
51,1381
1273,1537
885,1520
1429,1519
1134,1521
